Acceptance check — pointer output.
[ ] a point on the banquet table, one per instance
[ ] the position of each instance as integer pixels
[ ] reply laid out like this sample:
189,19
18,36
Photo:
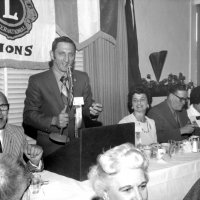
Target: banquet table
168,180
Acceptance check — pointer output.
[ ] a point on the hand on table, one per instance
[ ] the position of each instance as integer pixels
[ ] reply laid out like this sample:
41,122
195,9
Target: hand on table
33,152
188,128
96,109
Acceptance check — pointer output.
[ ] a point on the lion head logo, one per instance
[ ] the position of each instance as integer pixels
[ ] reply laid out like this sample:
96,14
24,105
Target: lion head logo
16,18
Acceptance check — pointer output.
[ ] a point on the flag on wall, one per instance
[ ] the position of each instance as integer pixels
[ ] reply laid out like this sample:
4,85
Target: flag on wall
86,20
134,76
27,29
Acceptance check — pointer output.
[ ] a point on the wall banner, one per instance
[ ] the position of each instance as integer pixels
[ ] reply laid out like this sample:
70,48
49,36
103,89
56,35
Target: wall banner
27,29
86,20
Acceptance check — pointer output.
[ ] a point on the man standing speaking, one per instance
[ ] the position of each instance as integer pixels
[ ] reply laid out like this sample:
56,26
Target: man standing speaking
45,109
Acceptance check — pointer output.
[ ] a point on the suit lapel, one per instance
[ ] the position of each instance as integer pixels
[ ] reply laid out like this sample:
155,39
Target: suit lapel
7,142
11,144
53,86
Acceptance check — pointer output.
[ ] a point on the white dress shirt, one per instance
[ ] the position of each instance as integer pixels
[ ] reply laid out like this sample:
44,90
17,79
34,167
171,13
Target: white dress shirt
1,137
147,129
192,114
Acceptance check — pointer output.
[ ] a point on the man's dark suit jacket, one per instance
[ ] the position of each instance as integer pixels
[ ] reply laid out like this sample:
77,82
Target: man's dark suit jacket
43,101
166,125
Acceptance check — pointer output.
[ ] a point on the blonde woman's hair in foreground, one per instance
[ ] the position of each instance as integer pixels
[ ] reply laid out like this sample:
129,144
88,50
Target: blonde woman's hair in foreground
112,162
12,176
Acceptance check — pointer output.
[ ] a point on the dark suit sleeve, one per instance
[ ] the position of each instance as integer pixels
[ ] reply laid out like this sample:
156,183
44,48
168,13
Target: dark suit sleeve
87,95
32,115
164,130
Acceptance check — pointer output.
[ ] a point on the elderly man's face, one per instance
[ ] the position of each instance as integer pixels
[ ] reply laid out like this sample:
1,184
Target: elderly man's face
3,111
178,99
128,184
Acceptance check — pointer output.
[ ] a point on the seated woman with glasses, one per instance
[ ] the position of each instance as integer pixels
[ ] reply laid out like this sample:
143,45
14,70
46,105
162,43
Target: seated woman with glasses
120,174
139,101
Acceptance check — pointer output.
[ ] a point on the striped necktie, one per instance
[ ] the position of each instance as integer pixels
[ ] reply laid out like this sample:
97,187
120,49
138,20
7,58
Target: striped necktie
176,118
67,91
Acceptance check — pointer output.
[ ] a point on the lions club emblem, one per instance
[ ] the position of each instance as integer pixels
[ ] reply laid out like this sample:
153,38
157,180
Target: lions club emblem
16,18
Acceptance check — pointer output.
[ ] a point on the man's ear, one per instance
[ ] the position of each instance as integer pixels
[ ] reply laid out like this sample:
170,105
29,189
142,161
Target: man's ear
52,55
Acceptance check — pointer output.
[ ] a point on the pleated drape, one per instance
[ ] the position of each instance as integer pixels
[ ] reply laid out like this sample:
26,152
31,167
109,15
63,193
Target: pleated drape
107,66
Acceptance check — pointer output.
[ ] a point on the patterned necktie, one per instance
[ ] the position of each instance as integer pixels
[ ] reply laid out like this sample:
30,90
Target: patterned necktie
67,91
176,118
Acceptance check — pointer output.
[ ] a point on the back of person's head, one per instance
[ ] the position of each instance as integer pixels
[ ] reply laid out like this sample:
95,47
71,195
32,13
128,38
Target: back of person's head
138,89
62,39
195,95
177,87
13,178
112,162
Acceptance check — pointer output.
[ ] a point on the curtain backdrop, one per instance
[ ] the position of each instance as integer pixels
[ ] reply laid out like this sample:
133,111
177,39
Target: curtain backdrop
107,66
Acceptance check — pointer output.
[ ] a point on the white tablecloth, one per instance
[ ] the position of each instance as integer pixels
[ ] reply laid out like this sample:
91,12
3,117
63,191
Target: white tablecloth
62,188
169,180
173,179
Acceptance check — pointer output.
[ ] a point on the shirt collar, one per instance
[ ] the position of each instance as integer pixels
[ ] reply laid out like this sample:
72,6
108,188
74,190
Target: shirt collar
57,74
194,111
1,134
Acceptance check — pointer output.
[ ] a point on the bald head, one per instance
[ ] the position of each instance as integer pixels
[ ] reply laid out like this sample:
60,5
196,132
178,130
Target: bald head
3,99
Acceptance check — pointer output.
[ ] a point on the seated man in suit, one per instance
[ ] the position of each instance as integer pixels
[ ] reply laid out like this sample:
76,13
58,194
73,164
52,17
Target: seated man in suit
13,140
172,122
14,179
45,110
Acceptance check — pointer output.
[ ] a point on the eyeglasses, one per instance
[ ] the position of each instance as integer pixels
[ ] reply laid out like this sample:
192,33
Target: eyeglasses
181,99
4,107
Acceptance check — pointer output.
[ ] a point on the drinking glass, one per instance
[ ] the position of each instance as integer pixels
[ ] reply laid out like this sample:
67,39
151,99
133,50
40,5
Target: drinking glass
138,141
36,183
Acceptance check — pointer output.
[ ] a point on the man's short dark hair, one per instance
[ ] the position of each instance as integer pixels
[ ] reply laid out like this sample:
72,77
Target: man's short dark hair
138,89
195,95
174,88
62,39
